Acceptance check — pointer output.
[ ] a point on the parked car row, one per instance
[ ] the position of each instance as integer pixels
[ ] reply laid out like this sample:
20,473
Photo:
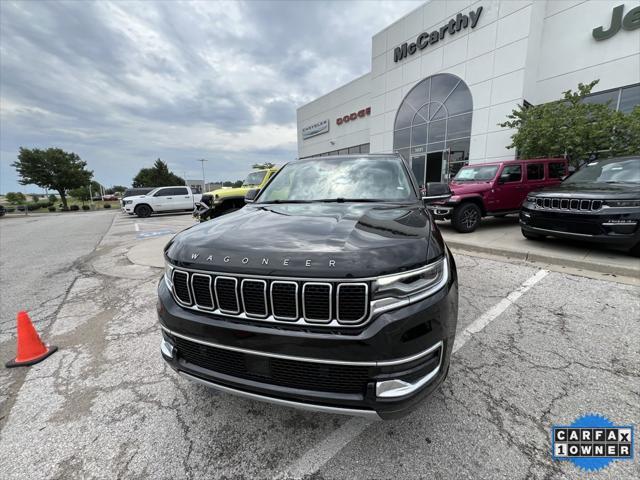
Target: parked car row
598,203
178,198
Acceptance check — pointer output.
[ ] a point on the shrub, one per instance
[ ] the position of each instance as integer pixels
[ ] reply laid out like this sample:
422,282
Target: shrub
74,208
52,208
52,199
107,205
11,209
33,206
63,208
86,207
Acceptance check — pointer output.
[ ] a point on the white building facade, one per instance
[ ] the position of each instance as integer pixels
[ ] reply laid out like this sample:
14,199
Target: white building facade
445,75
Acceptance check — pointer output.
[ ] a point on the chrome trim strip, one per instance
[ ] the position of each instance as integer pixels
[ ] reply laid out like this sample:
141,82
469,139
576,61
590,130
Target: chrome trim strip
264,297
408,388
273,310
558,231
167,349
382,363
195,300
175,295
619,224
304,310
235,288
375,307
366,302
281,402
304,279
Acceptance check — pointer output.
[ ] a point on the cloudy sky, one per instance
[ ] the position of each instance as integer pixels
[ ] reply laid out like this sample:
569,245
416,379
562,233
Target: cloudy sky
124,83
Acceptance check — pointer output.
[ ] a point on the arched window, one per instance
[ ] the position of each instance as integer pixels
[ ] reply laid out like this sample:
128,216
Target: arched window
433,127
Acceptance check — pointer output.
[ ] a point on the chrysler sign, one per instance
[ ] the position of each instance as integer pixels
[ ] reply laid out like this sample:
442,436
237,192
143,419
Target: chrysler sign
429,38
316,129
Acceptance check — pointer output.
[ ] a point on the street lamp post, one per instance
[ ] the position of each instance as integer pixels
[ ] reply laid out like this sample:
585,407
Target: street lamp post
202,160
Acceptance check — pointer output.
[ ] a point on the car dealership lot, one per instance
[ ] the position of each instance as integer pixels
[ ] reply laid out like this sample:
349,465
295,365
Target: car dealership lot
105,405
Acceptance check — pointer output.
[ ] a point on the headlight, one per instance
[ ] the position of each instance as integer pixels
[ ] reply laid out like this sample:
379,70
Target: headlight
622,203
531,199
128,202
393,291
168,274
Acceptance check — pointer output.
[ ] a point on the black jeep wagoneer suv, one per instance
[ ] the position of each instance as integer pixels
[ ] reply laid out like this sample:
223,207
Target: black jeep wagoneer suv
332,290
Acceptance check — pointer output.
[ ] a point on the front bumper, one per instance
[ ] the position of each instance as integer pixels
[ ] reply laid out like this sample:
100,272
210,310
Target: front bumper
381,370
619,227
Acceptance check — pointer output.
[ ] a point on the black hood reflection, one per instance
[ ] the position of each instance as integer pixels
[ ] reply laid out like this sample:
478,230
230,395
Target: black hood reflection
312,240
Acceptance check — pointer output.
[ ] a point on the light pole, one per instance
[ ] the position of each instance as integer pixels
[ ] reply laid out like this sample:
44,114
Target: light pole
202,160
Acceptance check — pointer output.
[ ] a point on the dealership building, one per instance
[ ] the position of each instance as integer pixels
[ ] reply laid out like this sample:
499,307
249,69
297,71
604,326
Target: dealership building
444,76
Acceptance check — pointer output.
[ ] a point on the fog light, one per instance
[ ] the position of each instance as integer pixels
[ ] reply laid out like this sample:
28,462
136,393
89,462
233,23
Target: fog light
167,349
400,388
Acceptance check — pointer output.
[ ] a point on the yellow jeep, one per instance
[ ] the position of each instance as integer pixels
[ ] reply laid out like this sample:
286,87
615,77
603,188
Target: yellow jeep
224,200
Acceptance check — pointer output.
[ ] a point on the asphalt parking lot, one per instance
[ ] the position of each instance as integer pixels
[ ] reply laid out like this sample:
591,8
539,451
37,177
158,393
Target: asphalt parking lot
534,348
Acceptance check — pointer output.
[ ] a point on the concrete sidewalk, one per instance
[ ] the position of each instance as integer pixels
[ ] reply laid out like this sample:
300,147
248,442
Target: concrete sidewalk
502,237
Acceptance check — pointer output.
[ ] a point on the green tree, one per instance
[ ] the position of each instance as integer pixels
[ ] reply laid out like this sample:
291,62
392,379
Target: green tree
15,198
570,127
263,166
237,183
53,198
157,176
84,194
53,169
35,197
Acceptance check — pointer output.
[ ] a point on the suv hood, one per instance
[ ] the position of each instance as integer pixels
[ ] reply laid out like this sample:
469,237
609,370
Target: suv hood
311,240
468,188
595,191
230,192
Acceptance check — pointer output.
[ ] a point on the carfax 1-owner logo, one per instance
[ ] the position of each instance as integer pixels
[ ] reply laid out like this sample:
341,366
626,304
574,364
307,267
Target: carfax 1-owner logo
592,442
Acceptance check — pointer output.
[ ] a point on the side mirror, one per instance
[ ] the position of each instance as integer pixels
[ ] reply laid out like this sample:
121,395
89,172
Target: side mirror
436,191
251,195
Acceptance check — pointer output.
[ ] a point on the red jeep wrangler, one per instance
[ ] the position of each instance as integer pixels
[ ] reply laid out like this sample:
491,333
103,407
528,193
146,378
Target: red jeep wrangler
495,189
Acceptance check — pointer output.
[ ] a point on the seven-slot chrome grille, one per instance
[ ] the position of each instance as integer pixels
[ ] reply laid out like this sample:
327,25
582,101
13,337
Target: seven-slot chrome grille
576,204
307,302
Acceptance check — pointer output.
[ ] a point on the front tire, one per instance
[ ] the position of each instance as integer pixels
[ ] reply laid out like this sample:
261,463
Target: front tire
143,211
466,217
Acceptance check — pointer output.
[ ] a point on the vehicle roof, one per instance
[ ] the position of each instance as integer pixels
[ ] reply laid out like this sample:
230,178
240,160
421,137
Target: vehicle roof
524,160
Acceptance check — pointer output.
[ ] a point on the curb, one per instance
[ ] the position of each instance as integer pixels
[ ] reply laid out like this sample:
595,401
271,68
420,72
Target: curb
548,259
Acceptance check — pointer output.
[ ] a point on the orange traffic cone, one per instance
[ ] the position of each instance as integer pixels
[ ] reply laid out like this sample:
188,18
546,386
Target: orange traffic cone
30,348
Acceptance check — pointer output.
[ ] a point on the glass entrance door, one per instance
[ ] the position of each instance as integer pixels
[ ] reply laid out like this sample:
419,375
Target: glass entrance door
430,167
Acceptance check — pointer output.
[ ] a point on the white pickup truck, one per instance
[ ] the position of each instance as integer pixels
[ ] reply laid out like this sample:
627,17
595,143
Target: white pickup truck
162,200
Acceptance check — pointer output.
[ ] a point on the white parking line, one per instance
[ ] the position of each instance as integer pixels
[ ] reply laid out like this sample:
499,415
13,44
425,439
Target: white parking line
314,459
137,227
490,315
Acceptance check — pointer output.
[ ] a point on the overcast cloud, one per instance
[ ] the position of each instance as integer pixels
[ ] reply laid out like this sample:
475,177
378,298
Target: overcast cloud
124,83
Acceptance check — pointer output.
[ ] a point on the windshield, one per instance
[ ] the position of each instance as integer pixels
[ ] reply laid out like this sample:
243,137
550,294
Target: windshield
151,193
612,170
341,179
476,174
254,178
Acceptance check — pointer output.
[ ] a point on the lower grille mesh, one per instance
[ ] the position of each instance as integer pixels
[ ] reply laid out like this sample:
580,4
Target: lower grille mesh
276,371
